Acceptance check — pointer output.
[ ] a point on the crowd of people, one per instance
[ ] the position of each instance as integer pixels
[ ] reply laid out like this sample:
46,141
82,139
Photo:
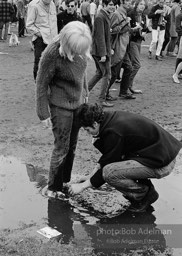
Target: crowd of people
65,35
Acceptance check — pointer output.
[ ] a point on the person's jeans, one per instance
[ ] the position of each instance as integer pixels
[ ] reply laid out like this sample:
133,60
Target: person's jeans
21,27
39,47
65,127
127,71
103,71
134,53
172,44
125,177
157,36
166,41
6,26
115,70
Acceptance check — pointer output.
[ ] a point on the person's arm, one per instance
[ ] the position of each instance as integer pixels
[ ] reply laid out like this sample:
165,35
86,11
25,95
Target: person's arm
83,183
153,13
178,24
117,25
44,76
31,18
100,39
85,85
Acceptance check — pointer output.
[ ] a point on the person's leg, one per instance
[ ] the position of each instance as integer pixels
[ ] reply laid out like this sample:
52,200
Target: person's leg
134,53
160,42
125,80
1,30
6,25
178,70
68,164
132,179
165,43
39,47
154,41
114,73
106,71
171,46
98,74
62,155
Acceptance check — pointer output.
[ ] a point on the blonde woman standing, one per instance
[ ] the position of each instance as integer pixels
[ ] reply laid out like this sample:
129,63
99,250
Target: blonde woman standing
62,70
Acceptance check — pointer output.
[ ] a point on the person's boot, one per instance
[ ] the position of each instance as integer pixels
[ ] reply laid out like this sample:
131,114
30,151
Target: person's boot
150,197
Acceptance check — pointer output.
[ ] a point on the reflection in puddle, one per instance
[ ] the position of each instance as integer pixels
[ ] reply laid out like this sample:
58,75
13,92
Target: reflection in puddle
22,202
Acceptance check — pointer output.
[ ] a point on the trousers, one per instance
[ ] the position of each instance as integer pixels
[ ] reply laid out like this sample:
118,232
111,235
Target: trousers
65,127
125,177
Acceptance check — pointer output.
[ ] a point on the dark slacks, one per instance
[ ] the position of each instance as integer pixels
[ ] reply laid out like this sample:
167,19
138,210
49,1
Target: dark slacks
39,47
65,127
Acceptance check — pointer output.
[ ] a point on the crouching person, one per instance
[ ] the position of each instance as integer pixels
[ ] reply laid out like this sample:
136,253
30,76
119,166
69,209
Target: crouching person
134,150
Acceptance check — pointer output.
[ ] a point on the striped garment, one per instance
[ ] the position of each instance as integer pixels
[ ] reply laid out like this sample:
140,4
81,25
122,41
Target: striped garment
6,11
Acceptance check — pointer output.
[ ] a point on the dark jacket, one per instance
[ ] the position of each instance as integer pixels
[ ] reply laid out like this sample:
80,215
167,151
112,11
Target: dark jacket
64,18
101,35
178,24
136,35
156,17
126,136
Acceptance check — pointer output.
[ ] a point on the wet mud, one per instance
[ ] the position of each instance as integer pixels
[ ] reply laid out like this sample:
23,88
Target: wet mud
97,219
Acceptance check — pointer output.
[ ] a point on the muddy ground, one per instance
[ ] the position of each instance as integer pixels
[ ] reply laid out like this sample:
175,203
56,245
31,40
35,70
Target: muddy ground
24,140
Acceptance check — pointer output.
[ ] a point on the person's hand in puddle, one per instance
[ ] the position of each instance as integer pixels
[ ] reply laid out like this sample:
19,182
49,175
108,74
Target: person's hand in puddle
79,187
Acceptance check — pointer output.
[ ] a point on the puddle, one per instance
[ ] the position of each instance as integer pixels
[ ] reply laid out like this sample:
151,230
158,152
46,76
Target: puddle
23,204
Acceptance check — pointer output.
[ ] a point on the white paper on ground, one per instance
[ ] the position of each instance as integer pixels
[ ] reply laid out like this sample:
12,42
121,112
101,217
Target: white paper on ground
49,232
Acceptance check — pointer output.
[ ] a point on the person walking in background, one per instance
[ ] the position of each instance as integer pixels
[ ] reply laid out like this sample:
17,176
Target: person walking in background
85,13
42,24
6,14
69,14
138,31
93,10
178,66
158,29
168,24
62,72
134,150
21,17
101,51
174,36
120,27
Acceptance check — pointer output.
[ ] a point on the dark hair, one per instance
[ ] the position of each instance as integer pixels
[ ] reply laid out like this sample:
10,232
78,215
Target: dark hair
106,2
136,3
69,1
88,114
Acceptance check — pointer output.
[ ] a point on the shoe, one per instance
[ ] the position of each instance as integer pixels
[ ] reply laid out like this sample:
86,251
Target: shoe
142,205
175,79
171,54
117,80
110,98
150,55
135,91
158,58
161,55
127,96
107,104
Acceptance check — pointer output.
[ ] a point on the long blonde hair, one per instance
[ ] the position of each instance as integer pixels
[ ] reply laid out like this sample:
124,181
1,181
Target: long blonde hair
75,38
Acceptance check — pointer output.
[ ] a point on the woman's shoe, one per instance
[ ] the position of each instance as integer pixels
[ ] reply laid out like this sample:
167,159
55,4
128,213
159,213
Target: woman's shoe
175,79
